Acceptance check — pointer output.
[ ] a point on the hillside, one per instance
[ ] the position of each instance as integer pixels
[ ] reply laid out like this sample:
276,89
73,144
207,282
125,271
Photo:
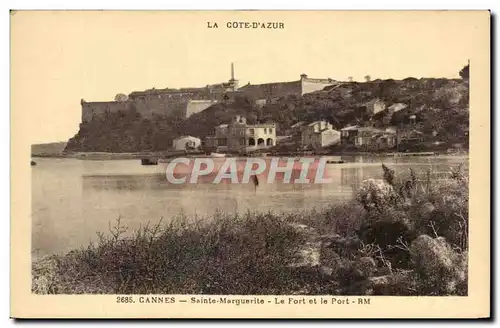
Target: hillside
441,107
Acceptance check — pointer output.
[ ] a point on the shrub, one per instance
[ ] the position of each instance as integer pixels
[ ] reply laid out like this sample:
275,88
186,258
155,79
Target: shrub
399,210
399,236
230,255
375,194
441,270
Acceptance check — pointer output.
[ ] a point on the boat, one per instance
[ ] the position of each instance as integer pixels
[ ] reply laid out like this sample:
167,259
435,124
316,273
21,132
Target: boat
217,155
149,161
334,160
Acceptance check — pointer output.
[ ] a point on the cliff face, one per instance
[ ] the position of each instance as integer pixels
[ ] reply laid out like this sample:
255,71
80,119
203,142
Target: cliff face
440,107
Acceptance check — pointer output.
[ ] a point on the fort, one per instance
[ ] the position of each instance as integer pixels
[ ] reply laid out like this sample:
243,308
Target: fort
185,102
267,92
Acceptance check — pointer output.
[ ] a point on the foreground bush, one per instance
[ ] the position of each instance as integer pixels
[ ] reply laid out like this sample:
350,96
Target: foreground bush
397,237
229,255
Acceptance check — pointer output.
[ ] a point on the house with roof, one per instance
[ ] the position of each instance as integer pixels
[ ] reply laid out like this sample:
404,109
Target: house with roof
295,131
240,137
186,143
411,136
348,134
374,106
386,116
396,107
368,138
298,125
319,134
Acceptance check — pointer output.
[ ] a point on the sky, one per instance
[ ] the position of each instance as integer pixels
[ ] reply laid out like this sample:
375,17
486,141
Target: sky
58,58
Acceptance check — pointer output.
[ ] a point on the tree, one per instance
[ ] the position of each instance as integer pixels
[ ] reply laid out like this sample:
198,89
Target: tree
464,72
350,79
121,97
368,78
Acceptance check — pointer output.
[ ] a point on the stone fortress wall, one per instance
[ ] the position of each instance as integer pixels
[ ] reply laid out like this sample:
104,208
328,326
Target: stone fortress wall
309,85
270,91
91,110
185,102
148,104
182,102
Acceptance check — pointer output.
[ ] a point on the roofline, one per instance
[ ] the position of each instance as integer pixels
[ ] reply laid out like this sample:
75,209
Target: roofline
182,137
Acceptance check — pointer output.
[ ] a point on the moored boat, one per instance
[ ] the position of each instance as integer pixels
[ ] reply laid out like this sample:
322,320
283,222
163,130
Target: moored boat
334,160
217,155
149,161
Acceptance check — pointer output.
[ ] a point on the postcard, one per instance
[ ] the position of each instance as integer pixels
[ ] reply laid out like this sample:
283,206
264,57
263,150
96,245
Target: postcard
250,164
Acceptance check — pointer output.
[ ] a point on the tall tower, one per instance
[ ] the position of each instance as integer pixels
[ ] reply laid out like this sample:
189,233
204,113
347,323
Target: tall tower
233,82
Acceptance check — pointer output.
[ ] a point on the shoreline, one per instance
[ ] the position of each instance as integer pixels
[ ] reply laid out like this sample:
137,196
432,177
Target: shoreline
166,155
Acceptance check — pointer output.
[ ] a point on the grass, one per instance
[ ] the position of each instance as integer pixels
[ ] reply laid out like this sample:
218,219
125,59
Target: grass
397,237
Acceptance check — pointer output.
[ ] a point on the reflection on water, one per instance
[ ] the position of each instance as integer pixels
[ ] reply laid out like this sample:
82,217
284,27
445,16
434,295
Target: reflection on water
73,199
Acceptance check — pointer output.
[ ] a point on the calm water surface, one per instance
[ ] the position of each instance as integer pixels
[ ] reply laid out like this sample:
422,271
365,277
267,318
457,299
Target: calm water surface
73,199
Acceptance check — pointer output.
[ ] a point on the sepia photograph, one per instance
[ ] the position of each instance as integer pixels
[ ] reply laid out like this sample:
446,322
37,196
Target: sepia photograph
243,158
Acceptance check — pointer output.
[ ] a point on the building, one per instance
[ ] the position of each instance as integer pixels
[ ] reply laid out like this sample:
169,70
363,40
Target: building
374,106
386,116
297,125
348,134
269,92
181,102
240,137
184,102
411,136
295,131
368,138
261,102
186,143
319,134
391,129
396,107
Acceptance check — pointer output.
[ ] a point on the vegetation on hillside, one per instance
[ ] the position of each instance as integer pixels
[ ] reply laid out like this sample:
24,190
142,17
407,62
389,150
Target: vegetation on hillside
397,237
441,107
